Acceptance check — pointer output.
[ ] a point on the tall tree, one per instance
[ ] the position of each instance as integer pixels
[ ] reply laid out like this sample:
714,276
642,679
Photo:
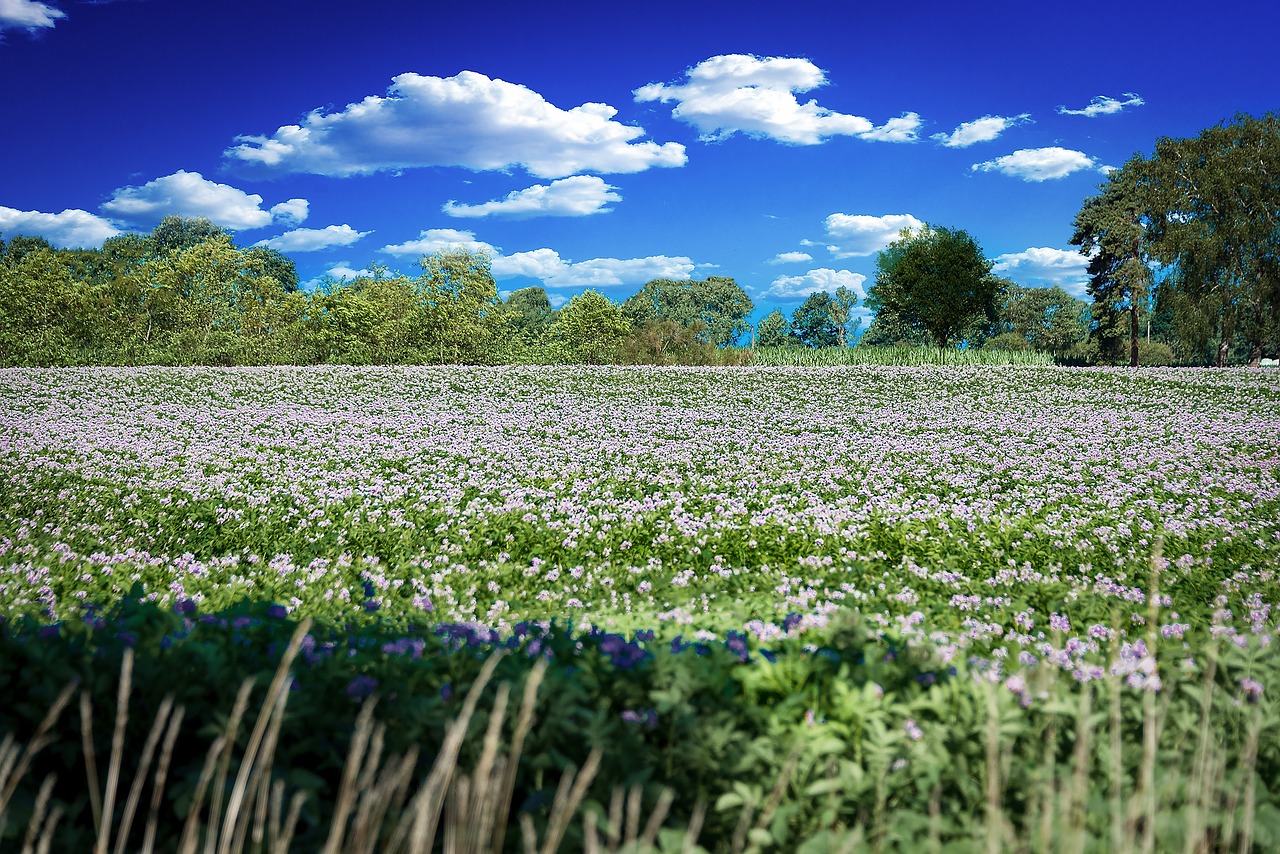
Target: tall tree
1214,203
718,302
775,331
531,312
811,322
1048,319
460,297
841,310
1111,230
935,280
589,329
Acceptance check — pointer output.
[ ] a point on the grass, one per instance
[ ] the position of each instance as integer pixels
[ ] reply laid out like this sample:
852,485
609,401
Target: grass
824,357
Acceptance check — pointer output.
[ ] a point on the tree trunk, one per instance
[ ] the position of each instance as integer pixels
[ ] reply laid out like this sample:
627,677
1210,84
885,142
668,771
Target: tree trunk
1133,332
1255,354
1224,346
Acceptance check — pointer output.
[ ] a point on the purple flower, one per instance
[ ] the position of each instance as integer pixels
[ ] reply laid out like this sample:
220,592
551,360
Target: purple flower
1252,689
446,692
277,612
361,687
647,717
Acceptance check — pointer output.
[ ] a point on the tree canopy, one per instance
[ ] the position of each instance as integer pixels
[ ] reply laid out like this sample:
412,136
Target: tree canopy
718,303
935,280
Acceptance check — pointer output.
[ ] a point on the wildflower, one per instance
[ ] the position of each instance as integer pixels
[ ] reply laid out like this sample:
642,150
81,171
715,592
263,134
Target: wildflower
361,687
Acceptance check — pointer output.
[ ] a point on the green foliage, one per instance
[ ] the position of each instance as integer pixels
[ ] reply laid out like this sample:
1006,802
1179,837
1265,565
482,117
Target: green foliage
589,329
1048,320
812,322
718,306
775,331
935,281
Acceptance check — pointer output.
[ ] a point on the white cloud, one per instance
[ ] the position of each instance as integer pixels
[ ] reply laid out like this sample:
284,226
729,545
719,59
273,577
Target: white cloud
292,212
435,240
1102,105
984,129
1039,164
557,300
905,128
547,265
28,15
555,272
71,229
738,93
865,235
468,120
791,258
822,280
191,194
311,239
1041,266
580,195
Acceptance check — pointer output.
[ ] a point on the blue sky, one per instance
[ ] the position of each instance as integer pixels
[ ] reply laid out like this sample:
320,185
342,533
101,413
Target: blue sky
600,144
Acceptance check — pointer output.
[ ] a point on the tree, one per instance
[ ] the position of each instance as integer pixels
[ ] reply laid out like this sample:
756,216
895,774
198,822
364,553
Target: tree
718,303
775,331
811,322
175,233
841,308
1049,320
937,281
1111,230
273,263
1213,209
530,312
459,296
589,329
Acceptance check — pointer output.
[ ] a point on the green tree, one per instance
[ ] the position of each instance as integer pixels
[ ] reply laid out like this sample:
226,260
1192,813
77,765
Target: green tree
1213,205
841,308
589,329
1111,230
175,233
811,322
531,313
460,300
775,331
44,311
937,281
1049,320
717,303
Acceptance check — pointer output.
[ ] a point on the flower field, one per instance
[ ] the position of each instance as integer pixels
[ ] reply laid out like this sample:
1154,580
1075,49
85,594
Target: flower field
1035,530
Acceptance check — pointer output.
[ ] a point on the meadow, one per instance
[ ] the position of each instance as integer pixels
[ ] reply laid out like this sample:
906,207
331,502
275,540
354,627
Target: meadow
952,607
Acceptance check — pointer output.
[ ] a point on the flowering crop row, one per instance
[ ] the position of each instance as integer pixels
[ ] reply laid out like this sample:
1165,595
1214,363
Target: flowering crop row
999,515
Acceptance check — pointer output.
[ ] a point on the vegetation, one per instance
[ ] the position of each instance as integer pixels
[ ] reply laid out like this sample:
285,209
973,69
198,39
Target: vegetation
946,607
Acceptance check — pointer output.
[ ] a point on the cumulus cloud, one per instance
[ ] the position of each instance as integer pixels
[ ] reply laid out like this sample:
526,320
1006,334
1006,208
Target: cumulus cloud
467,120
790,258
1040,164
71,229
739,93
1102,105
580,195
555,272
28,15
859,234
984,129
311,239
293,211
822,280
547,265
191,194
1042,266
434,240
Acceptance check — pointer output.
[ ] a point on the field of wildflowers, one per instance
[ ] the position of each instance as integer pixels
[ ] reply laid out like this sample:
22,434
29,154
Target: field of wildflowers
1034,534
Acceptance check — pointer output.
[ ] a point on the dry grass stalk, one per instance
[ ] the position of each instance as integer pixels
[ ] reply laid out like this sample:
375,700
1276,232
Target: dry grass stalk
350,771
215,772
162,774
1200,765
418,824
573,788
1251,781
995,789
695,828
15,762
90,756
274,707
1081,760
117,752
140,778
37,814
524,723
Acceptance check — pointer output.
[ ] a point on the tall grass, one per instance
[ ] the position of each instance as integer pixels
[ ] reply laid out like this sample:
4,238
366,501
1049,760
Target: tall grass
242,804
823,357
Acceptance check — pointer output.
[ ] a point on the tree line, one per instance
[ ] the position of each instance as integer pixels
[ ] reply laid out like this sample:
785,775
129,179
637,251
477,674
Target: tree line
1182,248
